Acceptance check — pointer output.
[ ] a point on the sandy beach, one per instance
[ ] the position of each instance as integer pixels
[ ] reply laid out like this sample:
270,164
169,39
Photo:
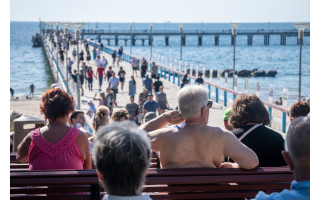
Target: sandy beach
27,107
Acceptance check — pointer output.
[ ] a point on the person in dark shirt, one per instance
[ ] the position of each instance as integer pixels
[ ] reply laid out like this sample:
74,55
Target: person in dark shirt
144,67
114,56
133,110
157,85
249,119
199,80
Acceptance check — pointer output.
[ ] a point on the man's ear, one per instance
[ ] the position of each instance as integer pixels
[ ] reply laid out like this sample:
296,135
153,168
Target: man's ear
100,176
288,159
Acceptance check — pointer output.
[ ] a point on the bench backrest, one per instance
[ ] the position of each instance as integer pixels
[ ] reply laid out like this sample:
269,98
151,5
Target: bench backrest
201,183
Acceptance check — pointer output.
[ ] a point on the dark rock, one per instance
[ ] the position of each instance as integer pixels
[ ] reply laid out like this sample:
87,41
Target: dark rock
229,71
259,73
254,70
244,73
272,73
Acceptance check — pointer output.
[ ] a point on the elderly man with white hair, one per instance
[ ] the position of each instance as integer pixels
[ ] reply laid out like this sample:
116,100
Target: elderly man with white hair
196,144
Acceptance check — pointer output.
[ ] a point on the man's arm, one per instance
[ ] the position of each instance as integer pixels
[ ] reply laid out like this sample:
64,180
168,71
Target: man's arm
23,149
239,152
172,117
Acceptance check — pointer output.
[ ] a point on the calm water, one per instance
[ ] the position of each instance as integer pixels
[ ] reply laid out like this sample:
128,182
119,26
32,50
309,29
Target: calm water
28,64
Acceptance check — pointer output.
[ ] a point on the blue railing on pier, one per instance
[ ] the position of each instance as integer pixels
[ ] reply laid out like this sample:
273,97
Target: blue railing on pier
171,75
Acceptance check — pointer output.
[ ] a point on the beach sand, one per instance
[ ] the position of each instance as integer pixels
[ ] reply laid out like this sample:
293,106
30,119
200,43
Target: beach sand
27,107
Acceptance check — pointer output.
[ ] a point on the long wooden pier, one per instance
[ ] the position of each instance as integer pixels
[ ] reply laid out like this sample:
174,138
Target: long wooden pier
143,35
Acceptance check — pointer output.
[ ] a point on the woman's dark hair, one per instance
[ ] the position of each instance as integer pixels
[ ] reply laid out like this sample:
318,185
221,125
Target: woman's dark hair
299,108
248,109
56,103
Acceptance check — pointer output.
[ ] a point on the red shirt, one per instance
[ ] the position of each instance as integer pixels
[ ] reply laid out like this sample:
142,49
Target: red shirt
100,71
90,74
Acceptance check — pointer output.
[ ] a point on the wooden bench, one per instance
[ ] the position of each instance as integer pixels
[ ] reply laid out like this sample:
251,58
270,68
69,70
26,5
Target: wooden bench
14,164
187,183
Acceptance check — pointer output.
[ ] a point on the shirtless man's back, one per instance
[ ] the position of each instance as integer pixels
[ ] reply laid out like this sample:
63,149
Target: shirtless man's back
197,144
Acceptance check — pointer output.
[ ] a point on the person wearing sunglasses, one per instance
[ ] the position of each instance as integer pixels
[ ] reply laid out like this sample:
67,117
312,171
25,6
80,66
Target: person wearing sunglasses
196,144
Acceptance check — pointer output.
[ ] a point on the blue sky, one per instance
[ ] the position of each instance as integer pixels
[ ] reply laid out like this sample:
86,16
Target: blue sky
161,10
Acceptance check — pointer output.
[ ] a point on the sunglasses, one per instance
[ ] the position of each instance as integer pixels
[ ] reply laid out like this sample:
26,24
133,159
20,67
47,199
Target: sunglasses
209,104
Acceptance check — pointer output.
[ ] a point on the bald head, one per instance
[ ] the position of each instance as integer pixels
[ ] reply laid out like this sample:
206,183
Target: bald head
298,139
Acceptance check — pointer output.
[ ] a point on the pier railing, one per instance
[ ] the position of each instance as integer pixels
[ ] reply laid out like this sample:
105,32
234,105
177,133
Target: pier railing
174,73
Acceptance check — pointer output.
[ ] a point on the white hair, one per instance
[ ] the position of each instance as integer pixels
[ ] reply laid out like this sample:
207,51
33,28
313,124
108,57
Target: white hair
191,99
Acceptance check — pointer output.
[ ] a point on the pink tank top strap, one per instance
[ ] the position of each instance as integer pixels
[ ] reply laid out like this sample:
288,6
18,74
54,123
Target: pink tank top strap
54,149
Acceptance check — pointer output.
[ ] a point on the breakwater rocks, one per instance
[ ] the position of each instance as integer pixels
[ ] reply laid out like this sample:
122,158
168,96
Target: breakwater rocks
242,73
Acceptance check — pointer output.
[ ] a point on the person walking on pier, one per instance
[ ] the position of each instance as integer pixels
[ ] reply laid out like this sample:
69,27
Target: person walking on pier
199,80
148,83
109,73
90,75
94,53
69,64
81,56
121,75
135,66
113,84
100,73
88,56
144,67
114,56
120,52
74,53
104,62
109,101
32,87
154,71
84,69
132,87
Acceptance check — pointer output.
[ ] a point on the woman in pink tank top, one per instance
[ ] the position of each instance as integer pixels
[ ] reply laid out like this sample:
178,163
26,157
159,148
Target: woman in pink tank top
55,146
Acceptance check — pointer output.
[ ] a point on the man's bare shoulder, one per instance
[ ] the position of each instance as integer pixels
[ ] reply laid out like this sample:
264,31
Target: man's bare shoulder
214,130
163,132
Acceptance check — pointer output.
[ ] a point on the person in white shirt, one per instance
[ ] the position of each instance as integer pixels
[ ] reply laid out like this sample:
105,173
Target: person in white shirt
104,62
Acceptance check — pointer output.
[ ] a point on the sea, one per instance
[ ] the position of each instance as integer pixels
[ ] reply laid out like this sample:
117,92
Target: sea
28,65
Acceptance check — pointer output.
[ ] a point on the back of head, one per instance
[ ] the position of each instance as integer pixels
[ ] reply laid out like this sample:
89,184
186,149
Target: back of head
299,108
298,139
56,103
118,114
101,117
248,109
149,116
191,99
122,155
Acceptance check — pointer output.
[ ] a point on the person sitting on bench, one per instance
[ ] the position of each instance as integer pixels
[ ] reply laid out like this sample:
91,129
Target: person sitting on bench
297,156
122,158
197,144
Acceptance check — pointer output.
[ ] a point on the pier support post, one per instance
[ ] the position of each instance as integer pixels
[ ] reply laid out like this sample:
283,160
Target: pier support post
142,42
216,40
116,40
179,77
108,42
266,39
283,40
167,40
199,40
232,40
125,41
150,40
183,40
284,122
99,38
133,41
225,99
298,41
270,115
249,40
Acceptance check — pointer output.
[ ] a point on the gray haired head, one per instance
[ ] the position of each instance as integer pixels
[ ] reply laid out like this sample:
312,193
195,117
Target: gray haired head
122,155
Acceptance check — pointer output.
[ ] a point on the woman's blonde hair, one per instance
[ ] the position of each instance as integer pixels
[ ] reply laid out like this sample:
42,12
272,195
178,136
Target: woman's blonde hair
101,117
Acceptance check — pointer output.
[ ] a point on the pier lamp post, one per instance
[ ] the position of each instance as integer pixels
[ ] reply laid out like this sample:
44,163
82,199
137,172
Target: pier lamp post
131,37
234,27
65,26
301,27
181,29
109,24
77,27
151,24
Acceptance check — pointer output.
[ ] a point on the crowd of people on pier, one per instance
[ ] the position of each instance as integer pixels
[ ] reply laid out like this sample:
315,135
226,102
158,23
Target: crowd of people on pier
121,144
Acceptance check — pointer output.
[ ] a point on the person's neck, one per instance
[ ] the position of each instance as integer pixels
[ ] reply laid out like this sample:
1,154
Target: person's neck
195,121
302,173
57,122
